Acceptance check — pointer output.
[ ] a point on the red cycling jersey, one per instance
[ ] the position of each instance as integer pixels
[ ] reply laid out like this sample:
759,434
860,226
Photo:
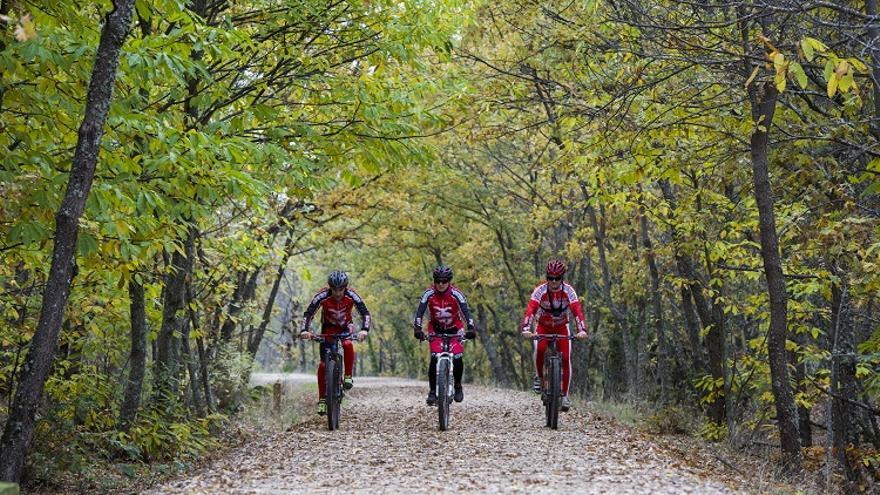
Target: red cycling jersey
551,309
446,310
336,315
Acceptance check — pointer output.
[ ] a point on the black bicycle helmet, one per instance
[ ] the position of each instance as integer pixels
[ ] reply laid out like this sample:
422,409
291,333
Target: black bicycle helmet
337,279
442,274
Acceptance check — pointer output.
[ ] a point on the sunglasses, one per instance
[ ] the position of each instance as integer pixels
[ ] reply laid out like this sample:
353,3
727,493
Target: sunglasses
436,281
554,279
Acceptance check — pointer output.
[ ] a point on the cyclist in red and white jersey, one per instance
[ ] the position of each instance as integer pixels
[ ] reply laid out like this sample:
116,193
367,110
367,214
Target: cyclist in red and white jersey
549,307
336,302
448,314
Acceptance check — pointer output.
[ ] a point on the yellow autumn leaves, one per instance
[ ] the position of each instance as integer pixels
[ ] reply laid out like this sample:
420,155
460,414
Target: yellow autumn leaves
839,73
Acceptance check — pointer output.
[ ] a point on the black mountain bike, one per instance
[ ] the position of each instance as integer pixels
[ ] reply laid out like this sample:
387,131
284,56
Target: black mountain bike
332,358
551,384
445,379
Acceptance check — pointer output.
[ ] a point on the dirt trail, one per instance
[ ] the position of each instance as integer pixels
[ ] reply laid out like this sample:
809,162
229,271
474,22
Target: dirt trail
497,443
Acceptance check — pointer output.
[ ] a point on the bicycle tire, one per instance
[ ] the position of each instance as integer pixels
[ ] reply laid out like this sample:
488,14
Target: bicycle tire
337,379
545,392
443,394
555,393
330,393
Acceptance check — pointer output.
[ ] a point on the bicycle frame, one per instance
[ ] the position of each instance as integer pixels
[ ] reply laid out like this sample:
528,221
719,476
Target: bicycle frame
551,383
444,367
445,355
332,358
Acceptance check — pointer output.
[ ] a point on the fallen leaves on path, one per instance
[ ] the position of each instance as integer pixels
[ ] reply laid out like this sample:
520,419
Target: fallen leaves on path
388,442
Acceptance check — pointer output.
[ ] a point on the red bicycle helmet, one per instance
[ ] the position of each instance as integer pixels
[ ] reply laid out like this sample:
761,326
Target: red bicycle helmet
555,268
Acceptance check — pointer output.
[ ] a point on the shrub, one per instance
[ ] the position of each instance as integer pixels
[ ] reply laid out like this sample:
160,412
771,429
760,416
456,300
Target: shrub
670,420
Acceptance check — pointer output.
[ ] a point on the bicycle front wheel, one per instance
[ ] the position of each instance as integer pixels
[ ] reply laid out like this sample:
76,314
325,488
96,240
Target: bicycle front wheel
555,393
443,394
331,372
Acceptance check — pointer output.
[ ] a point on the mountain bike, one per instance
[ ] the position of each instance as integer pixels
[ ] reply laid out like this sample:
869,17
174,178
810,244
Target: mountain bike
551,384
445,379
331,356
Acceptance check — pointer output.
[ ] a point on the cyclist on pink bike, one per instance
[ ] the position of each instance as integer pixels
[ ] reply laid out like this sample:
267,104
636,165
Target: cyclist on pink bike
336,302
447,306
550,304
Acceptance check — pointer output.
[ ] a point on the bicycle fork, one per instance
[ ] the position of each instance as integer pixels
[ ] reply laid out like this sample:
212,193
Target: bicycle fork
447,358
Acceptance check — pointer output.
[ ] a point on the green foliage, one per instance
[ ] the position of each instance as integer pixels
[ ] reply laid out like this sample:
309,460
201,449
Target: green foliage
712,388
714,432
230,124
383,137
229,372
669,420
158,437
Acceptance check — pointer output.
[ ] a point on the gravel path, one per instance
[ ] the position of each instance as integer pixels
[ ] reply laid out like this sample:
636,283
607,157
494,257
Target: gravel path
388,442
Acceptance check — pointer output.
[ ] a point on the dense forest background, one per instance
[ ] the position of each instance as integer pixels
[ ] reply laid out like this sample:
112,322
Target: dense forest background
708,170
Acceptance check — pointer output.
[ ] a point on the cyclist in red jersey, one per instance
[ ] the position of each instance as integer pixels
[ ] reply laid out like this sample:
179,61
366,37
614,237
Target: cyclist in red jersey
336,302
550,304
449,312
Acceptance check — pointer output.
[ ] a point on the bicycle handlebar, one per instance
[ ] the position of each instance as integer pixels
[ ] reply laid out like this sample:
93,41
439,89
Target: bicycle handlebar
443,336
552,336
325,337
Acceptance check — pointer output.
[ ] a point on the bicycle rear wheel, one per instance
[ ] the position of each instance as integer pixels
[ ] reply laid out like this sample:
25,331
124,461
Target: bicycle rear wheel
443,394
555,393
330,374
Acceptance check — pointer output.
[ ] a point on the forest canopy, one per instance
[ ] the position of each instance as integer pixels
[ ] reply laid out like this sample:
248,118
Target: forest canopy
709,172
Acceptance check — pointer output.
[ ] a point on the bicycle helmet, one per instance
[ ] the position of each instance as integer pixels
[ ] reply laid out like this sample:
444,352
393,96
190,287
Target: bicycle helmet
555,268
442,274
337,279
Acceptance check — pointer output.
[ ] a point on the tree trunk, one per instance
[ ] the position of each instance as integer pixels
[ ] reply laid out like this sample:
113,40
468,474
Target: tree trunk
167,345
763,106
580,354
873,41
506,356
491,352
800,376
663,354
254,342
709,317
138,356
636,382
244,291
692,327
842,383
715,345
19,428
203,373
521,294
618,315
200,348
198,401
4,10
